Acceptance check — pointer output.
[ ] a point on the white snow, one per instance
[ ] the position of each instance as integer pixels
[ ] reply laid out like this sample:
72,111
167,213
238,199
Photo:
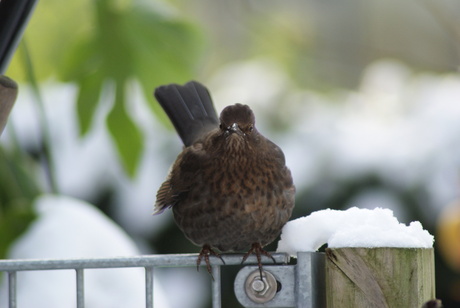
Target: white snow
351,228
70,228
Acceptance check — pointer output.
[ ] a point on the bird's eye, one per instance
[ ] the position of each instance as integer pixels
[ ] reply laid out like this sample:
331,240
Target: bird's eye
251,128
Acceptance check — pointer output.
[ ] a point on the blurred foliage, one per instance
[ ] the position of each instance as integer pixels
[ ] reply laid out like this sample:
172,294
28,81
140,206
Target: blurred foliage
115,43
129,42
53,26
109,44
17,191
101,46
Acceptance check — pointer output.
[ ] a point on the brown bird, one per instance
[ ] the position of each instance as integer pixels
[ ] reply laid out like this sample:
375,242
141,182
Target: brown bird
229,188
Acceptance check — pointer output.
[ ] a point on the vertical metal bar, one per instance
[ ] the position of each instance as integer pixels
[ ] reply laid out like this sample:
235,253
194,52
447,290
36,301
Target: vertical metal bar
80,288
216,292
303,285
319,282
12,289
310,280
149,287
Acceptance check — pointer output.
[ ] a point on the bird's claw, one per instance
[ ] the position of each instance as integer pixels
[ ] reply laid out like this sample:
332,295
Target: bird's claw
257,249
205,252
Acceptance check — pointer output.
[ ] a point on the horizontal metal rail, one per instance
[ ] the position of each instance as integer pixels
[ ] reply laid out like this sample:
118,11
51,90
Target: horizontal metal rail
169,260
148,262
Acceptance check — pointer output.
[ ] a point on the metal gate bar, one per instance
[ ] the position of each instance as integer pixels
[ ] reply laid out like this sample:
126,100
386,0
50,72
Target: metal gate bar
12,289
149,287
147,262
216,303
80,288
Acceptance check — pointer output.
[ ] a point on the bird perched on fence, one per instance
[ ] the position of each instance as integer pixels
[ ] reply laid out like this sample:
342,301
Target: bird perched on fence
229,189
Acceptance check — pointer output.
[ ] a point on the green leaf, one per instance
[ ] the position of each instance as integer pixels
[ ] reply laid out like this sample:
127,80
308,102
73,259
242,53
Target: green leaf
130,42
128,137
88,97
16,180
13,223
17,192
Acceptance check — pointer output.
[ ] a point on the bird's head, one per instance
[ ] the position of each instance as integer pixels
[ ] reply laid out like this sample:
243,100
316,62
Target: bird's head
237,129
237,119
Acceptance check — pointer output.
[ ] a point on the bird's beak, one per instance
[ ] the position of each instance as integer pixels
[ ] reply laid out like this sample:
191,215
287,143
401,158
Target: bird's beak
234,128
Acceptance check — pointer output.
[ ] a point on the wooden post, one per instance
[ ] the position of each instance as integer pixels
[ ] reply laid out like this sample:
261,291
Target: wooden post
379,277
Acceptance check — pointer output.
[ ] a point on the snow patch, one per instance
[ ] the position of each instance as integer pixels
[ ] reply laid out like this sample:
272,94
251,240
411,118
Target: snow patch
351,228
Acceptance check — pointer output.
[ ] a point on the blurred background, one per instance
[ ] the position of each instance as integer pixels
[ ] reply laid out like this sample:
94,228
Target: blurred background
362,96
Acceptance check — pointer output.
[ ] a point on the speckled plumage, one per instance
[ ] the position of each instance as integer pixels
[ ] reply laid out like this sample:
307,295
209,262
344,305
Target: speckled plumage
230,188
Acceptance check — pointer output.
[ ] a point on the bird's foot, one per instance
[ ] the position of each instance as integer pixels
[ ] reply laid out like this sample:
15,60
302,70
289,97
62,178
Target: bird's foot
205,252
257,249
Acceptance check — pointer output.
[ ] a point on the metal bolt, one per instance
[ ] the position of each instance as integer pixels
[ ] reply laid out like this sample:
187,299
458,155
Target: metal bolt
260,290
258,285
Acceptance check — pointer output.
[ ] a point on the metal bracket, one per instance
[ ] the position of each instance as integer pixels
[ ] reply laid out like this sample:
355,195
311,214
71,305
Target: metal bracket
276,291
284,286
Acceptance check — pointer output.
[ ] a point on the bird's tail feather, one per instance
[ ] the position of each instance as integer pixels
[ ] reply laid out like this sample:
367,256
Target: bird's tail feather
190,109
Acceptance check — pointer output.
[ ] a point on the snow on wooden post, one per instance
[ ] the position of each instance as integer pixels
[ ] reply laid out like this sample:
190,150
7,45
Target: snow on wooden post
379,277
375,276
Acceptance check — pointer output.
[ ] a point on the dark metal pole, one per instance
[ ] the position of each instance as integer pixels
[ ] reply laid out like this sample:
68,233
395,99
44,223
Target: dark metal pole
14,15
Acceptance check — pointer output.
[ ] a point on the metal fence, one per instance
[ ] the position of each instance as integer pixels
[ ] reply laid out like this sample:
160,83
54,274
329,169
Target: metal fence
295,285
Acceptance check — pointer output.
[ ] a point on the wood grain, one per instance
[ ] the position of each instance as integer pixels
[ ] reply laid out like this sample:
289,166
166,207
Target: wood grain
379,277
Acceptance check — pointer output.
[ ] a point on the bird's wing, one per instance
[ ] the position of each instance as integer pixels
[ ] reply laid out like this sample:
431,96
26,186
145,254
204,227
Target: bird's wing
277,153
164,198
182,176
190,109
